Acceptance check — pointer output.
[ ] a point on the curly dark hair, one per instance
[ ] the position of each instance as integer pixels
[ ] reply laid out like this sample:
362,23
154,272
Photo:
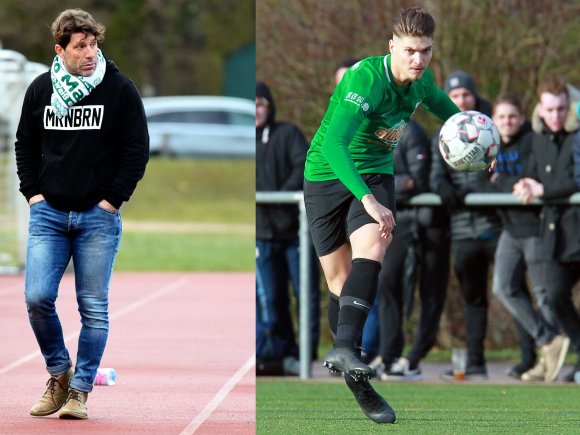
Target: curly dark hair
75,20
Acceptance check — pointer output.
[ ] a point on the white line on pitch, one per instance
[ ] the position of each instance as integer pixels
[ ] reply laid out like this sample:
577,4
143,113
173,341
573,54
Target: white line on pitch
219,397
131,307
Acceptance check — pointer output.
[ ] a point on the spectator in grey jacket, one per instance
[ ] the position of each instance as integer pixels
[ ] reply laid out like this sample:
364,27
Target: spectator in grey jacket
474,231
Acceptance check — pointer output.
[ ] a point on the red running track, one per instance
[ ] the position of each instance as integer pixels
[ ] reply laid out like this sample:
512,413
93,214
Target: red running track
182,345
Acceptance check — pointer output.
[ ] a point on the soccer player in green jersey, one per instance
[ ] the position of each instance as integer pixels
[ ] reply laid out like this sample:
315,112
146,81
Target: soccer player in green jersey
349,186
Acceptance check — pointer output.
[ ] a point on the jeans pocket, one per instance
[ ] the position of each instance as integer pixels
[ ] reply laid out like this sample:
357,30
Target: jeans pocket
114,213
36,203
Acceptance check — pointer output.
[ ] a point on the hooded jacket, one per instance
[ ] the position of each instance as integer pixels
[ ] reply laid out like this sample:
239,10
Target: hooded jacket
552,164
280,154
98,151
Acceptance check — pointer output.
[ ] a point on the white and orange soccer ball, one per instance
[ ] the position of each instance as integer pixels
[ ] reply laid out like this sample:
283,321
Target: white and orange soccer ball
468,141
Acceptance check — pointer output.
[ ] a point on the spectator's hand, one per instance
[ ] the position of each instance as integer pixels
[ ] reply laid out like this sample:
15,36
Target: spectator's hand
35,199
381,214
492,165
106,205
521,191
527,189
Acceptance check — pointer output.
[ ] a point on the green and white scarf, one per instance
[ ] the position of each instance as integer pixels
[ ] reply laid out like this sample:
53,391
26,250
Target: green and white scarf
68,89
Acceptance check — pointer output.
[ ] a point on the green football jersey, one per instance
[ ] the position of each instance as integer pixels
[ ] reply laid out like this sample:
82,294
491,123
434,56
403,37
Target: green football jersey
367,114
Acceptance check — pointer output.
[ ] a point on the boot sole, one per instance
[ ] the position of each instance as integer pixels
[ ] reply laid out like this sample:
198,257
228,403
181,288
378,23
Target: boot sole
43,414
72,416
357,375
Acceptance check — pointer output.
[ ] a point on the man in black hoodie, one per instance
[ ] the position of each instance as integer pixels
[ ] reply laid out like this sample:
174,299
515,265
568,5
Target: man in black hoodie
519,246
81,147
280,154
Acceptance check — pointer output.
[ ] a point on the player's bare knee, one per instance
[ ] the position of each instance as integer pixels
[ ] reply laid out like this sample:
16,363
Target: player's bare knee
336,282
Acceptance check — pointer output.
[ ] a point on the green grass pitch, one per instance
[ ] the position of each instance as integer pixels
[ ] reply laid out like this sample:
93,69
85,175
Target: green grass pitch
328,407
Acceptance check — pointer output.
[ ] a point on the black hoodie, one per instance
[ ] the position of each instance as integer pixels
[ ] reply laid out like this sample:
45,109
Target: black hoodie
280,155
98,151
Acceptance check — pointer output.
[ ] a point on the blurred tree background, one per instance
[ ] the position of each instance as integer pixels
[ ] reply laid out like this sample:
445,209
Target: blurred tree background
167,47
508,45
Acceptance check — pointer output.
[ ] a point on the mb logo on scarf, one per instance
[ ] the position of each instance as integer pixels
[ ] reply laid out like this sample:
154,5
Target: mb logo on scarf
69,89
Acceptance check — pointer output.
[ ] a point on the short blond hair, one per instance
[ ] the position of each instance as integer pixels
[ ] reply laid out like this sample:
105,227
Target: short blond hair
72,21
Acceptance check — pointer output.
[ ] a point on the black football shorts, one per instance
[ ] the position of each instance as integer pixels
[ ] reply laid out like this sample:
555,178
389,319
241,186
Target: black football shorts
334,213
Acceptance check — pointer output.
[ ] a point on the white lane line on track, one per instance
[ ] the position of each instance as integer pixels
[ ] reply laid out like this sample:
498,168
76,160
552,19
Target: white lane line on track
219,397
131,307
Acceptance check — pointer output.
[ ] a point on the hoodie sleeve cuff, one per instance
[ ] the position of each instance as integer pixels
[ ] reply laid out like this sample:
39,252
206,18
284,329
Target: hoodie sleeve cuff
29,193
115,200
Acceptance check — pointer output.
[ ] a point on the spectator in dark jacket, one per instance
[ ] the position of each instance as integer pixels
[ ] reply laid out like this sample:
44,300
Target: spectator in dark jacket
474,231
411,245
550,173
280,154
519,245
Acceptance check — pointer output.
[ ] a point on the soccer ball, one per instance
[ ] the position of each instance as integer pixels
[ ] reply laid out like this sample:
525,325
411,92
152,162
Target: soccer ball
468,141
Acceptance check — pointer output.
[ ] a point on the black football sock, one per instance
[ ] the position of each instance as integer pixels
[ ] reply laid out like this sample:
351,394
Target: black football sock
333,309
356,300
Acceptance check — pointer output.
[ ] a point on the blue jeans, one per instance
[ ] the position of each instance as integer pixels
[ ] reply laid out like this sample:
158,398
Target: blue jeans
277,264
370,336
91,238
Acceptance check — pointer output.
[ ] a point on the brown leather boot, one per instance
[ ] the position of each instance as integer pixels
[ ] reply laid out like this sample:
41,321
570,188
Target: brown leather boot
75,405
54,396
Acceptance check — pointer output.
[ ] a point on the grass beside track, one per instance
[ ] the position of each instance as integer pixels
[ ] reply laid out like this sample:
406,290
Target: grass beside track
288,407
195,190
186,252
182,192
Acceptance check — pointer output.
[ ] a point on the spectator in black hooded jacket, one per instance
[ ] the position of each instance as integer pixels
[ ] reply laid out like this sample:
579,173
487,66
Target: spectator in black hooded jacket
280,154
